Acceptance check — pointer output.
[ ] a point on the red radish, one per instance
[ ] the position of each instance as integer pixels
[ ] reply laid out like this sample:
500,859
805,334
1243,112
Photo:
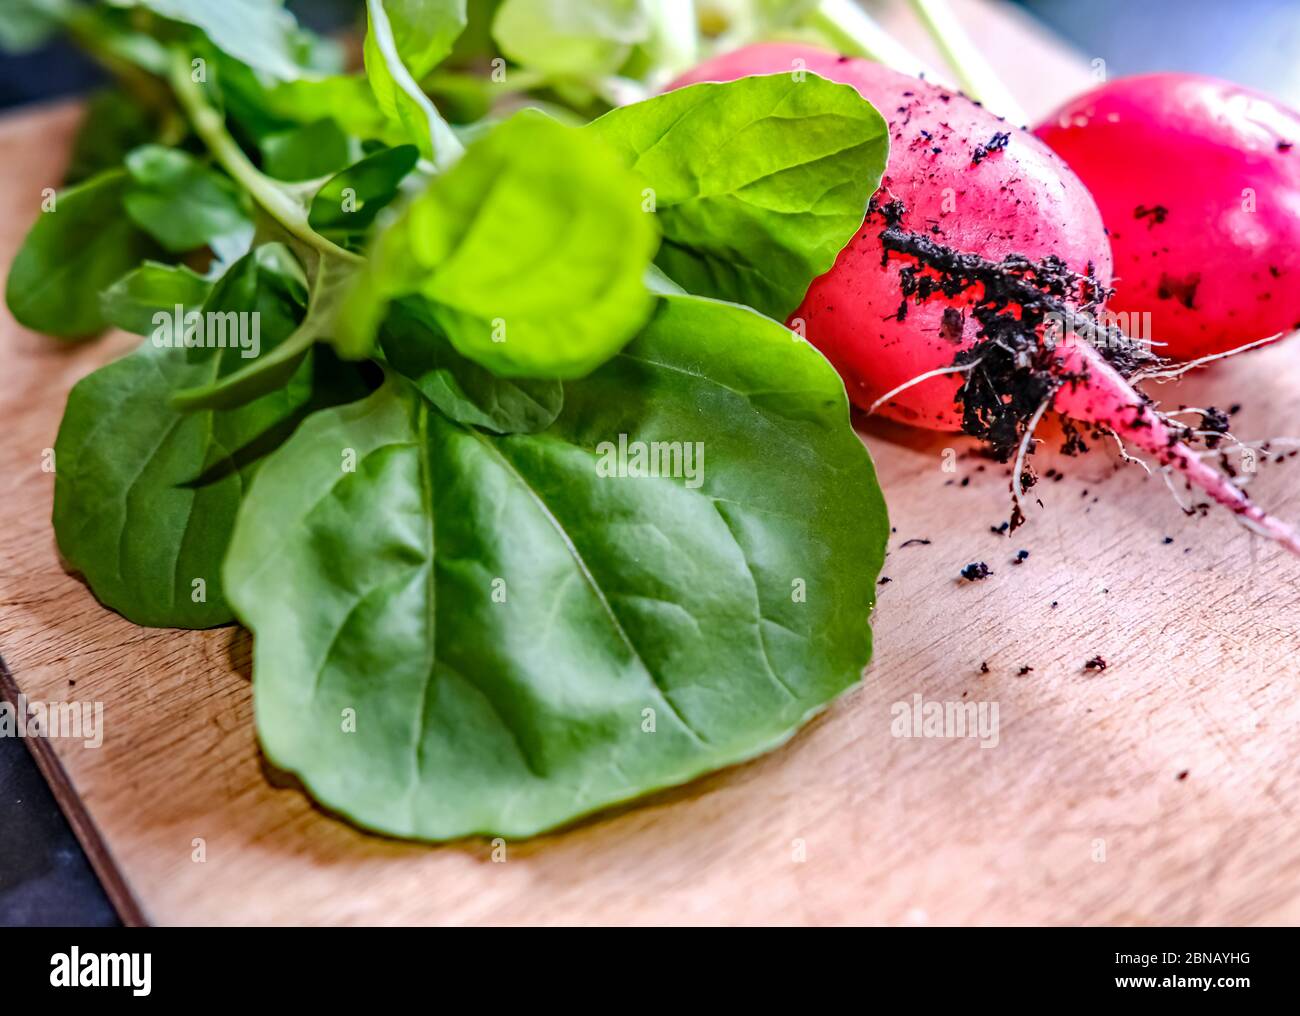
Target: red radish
1198,182
978,237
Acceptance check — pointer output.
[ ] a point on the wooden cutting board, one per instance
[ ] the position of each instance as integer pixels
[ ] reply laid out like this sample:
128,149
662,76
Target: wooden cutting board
1161,790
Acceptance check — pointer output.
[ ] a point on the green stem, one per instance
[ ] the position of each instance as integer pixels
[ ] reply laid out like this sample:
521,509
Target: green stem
974,73
854,31
210,125
675,34
518,80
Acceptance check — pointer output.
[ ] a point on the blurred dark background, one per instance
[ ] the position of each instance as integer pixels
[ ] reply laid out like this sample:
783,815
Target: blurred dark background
1251,42
44,877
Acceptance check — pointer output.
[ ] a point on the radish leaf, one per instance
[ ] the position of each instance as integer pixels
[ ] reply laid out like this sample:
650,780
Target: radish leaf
758,183
523,637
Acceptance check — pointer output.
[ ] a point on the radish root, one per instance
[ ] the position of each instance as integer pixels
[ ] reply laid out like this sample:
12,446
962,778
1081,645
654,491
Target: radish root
1085,380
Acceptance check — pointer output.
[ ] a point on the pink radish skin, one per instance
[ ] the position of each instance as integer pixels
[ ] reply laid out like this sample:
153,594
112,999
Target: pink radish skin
1198,181
1021,200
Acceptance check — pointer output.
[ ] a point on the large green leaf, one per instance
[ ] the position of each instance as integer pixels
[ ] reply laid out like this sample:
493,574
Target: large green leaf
145,495
759,183
531,252
79,247
500,636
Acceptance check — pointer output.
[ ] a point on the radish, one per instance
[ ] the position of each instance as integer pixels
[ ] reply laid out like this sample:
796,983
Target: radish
1198,182
979,238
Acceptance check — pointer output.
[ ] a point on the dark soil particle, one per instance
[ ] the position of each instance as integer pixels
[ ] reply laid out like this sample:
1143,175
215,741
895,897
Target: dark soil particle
1096,663
984,667
885,579
1183,775
1155,215
1215,422
997,143
1021,557
976,571
915,542
1024,670
1183,289
954,324
1168,540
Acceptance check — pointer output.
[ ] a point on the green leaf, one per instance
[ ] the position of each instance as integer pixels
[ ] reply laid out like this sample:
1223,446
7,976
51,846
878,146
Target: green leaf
583,38
133,301
531,251
344,209
182,203
467,393
146,495
309,152
758,183
111,126
425,31
80,246
260,33
394,85
347,99
501,616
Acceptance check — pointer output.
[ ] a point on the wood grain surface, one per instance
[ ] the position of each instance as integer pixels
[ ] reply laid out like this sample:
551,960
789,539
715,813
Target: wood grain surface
1163,789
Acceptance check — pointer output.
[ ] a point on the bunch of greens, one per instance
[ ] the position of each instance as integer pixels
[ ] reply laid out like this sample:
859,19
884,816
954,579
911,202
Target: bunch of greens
463,623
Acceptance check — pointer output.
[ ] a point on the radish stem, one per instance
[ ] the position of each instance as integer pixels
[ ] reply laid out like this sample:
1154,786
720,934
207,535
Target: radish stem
857,33
975,74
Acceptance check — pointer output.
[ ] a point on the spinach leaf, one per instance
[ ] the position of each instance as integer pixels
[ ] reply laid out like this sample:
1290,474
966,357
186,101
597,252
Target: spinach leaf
424,31
145,495
530,251
184,204
345,207
522,640
308,152
580,38
133,301
83,244
467,393
758,183
402,30
260,33
262,109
